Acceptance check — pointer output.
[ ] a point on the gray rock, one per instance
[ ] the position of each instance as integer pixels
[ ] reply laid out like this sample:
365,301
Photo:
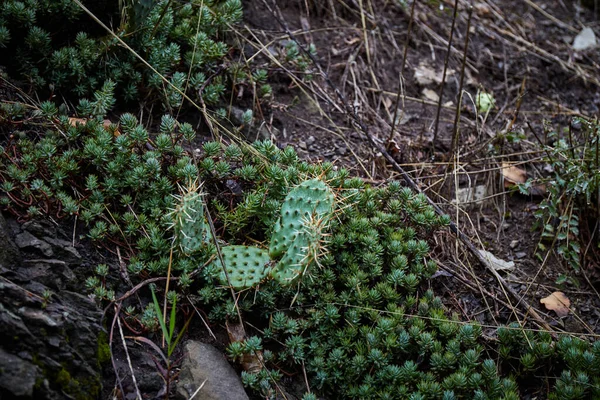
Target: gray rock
17,376
204,363
39,228
64,250
52,273
27,241
9,253
48,349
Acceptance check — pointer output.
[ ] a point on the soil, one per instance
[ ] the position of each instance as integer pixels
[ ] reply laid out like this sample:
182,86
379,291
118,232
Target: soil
519,51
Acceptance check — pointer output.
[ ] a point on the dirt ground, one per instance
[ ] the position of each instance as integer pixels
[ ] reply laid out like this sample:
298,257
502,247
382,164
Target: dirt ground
519,51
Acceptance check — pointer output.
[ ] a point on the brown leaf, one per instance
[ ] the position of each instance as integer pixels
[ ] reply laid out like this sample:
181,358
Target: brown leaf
513,175
430,95
83,121
77,121
250,362
557,302
425,74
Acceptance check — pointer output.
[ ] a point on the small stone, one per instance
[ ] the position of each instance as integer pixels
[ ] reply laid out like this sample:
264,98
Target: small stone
514,244
204,364
302,145
342,150
521,254
310,141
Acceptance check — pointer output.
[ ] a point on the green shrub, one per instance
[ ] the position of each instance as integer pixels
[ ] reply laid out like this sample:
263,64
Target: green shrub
45,42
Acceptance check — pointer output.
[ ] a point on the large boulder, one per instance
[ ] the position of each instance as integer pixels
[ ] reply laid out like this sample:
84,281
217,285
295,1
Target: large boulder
51,341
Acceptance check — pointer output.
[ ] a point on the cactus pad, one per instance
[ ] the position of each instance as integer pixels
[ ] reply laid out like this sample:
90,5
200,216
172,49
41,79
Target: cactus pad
311,199
191,228
246,266
301,254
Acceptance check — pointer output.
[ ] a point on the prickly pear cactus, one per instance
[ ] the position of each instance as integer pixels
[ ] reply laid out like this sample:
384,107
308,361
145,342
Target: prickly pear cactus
191,228
301,255
297,235
246,266
311,199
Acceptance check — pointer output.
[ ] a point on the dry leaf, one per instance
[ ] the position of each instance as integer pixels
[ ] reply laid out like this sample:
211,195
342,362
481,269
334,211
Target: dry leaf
250,362
430,95
496,263
482,9
557,302
77,121
513,175
470,194
83,121
425,75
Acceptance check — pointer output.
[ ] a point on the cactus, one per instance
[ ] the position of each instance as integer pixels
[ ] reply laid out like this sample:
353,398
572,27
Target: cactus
246,266
191,228
297,235
310,199
298,258
296,238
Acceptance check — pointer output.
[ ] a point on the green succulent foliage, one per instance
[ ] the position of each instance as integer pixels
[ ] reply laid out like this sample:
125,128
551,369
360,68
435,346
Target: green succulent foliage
116,179
573,361
246,266
178,40
361,324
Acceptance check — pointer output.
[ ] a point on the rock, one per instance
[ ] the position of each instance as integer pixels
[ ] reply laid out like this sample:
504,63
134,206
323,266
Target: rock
9,253
204,363
64,250
17,376
39,228
27,241
341,150
49,348
310,141
53,273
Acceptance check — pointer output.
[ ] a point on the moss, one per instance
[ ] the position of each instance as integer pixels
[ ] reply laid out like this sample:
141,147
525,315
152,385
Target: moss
103,349
79,389
63,378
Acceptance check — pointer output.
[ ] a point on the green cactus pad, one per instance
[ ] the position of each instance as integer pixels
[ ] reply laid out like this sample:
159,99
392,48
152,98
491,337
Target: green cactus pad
297,259
191,228
310,199
246,266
